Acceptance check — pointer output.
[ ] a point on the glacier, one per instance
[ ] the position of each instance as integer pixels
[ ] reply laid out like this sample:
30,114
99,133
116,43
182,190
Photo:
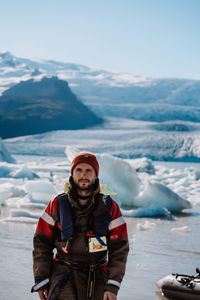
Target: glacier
119,137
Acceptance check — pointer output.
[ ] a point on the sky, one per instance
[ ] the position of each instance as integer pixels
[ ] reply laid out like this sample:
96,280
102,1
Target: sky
153,38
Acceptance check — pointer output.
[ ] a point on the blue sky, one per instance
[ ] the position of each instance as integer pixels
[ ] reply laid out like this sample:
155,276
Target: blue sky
154,38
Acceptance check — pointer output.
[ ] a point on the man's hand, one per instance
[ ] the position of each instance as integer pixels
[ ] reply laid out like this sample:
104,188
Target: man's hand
43,294
109,296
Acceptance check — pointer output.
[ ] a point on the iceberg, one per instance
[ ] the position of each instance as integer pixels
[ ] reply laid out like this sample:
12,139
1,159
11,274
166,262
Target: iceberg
120,177
32,194
159,194
24,172
9,170
137,198
40,191
9,190
4,154
21,216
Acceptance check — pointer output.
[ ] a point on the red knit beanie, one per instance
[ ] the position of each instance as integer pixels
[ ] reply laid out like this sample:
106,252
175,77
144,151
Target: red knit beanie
85,157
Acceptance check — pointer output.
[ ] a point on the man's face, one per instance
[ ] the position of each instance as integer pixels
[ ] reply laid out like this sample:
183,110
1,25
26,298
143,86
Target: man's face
84,176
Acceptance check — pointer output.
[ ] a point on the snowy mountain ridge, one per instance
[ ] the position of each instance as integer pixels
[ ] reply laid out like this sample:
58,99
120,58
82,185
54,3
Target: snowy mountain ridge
111,93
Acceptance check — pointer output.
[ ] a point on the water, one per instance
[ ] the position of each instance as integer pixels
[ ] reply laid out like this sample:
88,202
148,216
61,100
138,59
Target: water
154,253
157,252
16,261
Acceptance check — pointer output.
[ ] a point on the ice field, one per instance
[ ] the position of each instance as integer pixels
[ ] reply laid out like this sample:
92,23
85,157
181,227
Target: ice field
160,200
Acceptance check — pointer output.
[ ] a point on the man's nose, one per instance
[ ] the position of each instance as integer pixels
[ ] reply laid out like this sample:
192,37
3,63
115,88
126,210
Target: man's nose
84,174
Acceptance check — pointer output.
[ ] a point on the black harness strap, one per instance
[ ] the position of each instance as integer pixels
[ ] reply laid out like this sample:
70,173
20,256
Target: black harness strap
84,267
101,221
66,223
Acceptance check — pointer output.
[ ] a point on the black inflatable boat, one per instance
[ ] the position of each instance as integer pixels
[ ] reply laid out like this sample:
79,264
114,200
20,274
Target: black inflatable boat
180,287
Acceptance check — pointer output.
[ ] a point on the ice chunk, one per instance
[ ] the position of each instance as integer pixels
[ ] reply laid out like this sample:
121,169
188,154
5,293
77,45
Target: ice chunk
40,186
143,165
4,195
8,170
182,182
10,190
4,154
161,195
23,213
70,152
40,191
5,170
120,177
147,225
21,216
183,229
23,172
39,197
197,174
146,212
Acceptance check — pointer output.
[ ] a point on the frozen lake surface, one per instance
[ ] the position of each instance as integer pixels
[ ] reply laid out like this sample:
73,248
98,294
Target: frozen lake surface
154,253
159,245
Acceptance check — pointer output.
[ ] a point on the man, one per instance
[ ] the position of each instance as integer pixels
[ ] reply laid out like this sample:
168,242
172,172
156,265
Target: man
90,237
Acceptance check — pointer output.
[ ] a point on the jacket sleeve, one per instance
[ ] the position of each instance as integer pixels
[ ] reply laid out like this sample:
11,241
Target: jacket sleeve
118,248
43,246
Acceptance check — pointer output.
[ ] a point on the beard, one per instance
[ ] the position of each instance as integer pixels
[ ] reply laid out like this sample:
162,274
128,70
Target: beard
88,186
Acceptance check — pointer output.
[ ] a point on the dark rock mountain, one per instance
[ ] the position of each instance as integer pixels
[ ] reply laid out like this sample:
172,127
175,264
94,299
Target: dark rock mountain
110,93
32,107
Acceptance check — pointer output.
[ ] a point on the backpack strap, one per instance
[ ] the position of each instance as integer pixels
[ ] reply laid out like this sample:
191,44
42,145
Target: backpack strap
107,201
66,223
102,221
